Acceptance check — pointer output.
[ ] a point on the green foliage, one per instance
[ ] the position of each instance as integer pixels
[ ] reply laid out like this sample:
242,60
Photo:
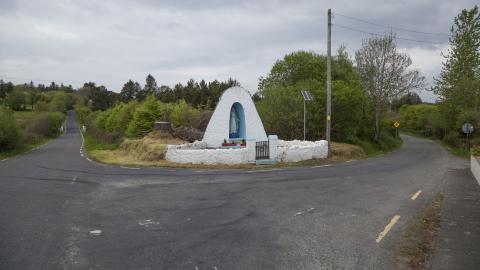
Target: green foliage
59,103
40,106
422,118
459,83
9,130
16,100
144,118
120,117
82,112
46,124
281,104
476,151
183,114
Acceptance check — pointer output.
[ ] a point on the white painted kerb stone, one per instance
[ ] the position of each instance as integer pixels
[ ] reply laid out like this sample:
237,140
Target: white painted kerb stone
218,127
475,167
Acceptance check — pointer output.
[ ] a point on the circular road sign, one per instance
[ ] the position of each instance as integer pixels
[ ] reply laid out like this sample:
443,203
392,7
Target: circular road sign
467,128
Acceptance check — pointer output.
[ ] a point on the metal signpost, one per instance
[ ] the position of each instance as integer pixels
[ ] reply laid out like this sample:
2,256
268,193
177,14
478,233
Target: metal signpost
306,97
468,128
396,124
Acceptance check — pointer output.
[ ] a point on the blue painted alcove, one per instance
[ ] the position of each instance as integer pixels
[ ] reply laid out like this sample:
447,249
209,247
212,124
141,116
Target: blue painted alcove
240,116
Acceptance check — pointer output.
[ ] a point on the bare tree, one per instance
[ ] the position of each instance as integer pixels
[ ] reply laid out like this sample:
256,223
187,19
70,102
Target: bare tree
384,73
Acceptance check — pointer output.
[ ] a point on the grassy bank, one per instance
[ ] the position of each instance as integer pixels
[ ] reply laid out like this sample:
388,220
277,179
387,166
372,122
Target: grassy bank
23,148
385,145
35,129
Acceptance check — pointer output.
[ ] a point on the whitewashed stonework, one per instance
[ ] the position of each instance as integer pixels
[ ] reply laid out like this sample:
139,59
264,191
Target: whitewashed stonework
218,127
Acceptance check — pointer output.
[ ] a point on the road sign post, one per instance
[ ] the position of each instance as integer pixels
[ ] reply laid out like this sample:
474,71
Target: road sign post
307,96
396,124
468,128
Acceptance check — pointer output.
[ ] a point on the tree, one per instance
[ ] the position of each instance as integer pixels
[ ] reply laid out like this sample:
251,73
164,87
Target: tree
385,73
149,89
409,98
459,83
280,103
130,91
16,100
96,97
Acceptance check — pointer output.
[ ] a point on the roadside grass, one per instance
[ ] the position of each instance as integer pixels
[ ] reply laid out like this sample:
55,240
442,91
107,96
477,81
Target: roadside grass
23,148
22,117
385,145
456,151
416,246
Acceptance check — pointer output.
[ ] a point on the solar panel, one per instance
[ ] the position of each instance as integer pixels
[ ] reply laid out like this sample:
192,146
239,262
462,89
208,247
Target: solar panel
307,96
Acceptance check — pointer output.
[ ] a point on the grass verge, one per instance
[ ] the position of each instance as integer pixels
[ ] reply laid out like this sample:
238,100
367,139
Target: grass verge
385,145
23,148
417,244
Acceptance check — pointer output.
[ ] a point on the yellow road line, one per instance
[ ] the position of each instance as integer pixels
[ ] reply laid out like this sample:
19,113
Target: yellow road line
387,228
416,195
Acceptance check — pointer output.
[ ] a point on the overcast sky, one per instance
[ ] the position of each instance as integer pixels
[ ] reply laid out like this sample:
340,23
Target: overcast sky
110,42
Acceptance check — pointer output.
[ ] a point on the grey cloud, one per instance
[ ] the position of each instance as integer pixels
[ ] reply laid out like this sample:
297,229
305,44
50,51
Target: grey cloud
113,41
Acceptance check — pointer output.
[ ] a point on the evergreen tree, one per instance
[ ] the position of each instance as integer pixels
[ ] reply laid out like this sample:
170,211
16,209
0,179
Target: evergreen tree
130,91
149,89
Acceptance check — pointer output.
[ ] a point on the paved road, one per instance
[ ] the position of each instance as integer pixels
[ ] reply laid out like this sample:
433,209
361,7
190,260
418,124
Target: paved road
61,211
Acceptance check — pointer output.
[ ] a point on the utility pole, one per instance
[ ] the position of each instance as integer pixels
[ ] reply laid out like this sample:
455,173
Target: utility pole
329,79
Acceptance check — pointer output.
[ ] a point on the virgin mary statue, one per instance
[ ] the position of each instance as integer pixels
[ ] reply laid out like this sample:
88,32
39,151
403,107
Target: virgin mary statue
234,123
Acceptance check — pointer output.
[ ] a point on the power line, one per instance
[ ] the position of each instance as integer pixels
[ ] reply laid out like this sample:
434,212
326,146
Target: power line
392,27
376,34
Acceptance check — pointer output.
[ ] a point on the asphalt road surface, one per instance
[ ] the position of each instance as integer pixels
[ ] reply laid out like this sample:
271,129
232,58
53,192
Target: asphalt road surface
59,210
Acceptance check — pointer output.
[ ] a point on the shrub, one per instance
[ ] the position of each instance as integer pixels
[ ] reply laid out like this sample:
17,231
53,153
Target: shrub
9,130
144,118
59,103
40,106
452,138
120,117
46,124
82,113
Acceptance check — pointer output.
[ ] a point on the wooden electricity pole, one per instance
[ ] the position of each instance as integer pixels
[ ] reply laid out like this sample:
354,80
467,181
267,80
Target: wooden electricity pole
329,79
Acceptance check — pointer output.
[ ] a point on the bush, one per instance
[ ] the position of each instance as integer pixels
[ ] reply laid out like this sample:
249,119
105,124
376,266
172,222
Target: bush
144,118
59,103
9,130
120,117
40,106
82,113
453,138
46,124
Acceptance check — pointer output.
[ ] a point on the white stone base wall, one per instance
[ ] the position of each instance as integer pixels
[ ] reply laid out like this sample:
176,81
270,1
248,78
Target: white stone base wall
286,151
475,167
184,154
295,151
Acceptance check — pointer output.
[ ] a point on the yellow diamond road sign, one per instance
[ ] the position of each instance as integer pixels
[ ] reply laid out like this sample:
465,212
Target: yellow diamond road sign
396,124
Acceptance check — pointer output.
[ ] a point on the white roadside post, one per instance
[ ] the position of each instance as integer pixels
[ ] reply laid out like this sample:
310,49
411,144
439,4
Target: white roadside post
251,144
272,144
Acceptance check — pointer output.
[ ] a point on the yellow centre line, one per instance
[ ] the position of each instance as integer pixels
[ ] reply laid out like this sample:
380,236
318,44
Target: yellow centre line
387,228
416,195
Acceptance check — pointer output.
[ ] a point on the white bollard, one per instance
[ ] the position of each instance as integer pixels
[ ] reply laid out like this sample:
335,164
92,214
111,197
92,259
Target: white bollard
251,144
272,144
